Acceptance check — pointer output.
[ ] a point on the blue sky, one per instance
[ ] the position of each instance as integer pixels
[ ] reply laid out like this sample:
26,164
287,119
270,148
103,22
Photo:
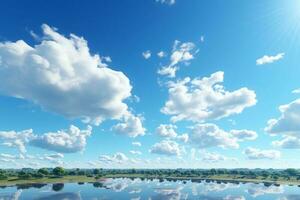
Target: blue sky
150,84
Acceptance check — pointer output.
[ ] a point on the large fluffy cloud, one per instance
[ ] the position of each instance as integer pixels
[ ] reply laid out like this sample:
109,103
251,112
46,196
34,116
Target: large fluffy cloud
61,75
210,135
204,99
287,125
167,147
288,122
70,141
255,154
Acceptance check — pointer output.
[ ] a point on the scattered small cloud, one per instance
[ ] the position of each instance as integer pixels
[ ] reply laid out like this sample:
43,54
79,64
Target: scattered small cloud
116,158
137,144
181,53
168,2
147,54
296,91
256,154
269,59
161,54
202,38
135,152
214,157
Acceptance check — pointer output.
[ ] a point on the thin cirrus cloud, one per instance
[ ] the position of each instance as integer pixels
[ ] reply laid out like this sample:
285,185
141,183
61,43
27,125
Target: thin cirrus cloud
269,59
203,99
62,76
256,154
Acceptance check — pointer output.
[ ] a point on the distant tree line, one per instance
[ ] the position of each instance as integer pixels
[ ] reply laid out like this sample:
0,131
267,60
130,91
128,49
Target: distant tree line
28,173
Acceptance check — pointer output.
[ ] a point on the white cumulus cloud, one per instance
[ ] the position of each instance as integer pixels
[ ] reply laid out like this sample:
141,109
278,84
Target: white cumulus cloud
205,98
132,126
167,130
63,141
288,142
166,147
62,76
16,139
288,122
210,135
287,125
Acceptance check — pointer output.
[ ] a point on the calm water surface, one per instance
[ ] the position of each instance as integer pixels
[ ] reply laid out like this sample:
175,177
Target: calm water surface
149,190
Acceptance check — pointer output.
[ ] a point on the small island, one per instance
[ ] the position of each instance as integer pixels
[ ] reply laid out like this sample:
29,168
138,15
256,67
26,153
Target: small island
277,177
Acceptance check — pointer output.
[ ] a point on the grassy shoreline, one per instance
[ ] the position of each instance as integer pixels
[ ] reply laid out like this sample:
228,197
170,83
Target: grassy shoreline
218,178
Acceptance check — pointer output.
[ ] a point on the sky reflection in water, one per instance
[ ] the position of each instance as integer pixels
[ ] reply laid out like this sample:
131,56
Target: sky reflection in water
150,190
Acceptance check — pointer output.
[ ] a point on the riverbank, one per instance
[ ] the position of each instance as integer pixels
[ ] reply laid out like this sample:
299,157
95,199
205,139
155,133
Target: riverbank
65,179
216,178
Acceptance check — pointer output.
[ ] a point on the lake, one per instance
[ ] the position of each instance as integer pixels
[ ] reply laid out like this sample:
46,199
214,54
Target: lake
150,190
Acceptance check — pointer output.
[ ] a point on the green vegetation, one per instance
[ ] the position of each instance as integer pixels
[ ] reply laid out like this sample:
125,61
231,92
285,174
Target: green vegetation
61,175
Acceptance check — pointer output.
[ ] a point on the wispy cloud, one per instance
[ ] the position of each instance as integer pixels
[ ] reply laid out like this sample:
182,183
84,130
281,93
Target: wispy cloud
269,59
